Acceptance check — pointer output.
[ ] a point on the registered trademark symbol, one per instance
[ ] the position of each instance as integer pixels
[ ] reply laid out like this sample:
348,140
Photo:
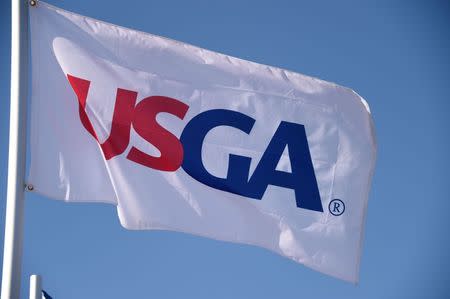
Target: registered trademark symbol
336,207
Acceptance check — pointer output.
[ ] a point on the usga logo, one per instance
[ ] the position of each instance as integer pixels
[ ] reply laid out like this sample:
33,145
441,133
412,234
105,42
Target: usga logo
186,152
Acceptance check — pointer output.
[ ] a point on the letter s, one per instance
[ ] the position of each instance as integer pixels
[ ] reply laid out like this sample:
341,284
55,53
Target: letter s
145,124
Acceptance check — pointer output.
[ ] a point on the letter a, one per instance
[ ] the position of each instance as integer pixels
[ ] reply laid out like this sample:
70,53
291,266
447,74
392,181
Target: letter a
302,179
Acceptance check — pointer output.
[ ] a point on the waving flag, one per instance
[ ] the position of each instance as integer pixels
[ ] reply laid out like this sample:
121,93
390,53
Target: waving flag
185,139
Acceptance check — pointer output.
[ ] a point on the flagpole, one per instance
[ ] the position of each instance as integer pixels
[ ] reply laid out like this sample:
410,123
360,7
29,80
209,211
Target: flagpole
12,252
35,287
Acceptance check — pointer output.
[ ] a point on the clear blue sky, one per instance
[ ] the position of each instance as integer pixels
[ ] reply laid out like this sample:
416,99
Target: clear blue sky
396,54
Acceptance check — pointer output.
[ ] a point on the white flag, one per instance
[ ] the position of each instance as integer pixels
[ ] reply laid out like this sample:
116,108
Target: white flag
181,138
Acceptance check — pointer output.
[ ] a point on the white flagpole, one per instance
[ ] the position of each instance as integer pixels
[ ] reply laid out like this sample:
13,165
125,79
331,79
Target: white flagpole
12,253
35,287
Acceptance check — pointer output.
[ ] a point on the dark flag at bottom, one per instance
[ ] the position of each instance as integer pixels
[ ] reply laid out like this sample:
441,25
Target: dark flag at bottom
45,295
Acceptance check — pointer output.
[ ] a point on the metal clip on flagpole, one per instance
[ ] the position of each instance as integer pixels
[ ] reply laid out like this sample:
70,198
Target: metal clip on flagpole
12,253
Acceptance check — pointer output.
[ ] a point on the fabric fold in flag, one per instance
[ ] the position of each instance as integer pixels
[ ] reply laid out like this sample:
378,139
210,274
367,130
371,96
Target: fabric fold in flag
185,139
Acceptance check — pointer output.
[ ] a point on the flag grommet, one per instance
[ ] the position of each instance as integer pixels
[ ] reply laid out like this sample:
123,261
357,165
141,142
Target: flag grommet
29,187
33,2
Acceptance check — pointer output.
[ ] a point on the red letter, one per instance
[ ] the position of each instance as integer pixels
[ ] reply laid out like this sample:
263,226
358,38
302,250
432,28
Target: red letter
119,137
145,124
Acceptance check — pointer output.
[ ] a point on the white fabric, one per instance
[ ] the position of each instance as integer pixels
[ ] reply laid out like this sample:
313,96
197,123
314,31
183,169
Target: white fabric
68,164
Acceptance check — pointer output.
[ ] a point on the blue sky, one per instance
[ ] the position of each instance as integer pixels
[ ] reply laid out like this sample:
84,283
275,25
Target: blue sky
394,53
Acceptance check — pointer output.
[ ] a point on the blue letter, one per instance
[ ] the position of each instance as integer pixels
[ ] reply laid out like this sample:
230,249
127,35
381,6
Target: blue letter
302,179
192,139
